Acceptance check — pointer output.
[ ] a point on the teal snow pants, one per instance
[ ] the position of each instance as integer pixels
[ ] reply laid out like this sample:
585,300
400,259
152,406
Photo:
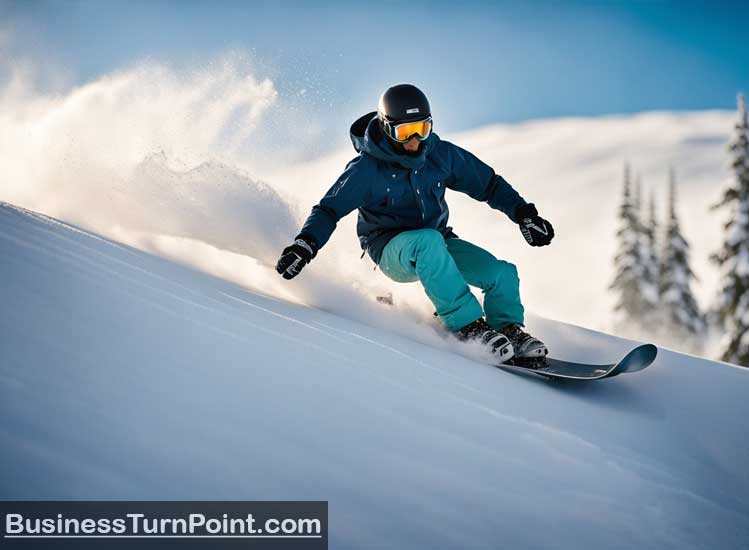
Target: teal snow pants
445,268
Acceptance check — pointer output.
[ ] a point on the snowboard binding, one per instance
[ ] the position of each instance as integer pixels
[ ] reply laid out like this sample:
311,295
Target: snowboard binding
532,363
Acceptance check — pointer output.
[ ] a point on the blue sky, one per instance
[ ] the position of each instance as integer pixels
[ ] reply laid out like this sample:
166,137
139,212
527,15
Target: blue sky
480,62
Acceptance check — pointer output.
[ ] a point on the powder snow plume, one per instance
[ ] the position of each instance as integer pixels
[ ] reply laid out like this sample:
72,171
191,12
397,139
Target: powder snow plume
163,160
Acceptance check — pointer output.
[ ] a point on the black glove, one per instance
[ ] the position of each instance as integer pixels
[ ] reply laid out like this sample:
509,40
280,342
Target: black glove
536,230
295,257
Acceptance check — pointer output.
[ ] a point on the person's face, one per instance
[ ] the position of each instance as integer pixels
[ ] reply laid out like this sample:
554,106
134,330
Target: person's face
412,145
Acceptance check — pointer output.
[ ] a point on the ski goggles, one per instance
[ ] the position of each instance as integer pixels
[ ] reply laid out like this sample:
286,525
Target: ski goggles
406,130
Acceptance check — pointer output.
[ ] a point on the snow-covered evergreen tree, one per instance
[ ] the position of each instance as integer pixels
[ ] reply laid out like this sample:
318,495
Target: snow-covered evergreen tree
733,258
637,197
680,313
650,264
631,304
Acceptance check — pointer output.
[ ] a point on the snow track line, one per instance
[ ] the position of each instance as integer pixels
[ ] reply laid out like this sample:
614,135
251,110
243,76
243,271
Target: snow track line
391,349
282,316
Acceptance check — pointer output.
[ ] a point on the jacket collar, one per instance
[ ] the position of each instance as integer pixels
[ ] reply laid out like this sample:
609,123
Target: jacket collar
367,137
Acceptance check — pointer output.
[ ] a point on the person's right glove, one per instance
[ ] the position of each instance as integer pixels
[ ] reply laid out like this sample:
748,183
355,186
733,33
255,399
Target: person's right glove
295,257
536,230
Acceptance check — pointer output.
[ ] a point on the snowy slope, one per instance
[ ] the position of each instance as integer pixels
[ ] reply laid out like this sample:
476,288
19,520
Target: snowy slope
126,376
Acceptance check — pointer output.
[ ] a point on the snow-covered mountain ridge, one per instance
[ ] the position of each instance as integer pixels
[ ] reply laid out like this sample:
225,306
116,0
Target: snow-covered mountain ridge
126,376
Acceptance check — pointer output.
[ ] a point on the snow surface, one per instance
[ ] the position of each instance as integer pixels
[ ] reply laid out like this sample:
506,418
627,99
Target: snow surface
126,376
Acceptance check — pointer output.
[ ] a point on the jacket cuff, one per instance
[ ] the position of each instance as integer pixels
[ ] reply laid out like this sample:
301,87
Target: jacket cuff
523,211
306,238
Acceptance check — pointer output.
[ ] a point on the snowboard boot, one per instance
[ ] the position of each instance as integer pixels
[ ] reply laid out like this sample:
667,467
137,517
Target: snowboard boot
495,341
525,345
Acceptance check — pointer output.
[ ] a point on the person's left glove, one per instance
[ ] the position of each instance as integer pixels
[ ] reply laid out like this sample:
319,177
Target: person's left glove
536,230
295,257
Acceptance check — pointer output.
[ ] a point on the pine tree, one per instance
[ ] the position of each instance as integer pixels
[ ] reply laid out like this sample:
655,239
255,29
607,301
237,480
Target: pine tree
681,314
647,257
733,258
631,305
650,265
637,197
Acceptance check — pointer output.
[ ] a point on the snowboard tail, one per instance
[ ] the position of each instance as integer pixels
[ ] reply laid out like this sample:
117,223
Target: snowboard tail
638,359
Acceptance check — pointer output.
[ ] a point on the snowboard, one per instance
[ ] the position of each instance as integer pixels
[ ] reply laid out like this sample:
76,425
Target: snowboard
636,360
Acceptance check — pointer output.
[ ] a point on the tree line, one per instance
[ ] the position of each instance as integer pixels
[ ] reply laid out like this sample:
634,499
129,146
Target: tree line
653,277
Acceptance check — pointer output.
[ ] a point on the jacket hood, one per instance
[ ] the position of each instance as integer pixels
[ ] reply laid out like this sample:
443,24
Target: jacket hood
368,138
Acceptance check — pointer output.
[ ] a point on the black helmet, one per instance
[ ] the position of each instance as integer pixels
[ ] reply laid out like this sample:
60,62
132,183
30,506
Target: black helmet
402,103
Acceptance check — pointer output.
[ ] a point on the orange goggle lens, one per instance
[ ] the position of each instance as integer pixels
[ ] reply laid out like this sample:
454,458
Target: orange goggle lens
421,128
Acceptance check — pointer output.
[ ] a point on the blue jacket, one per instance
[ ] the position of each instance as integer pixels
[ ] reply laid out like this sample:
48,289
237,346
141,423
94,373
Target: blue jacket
396,192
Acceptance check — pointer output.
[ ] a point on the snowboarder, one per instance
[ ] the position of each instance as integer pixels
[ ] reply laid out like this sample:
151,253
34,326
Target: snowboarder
398,184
